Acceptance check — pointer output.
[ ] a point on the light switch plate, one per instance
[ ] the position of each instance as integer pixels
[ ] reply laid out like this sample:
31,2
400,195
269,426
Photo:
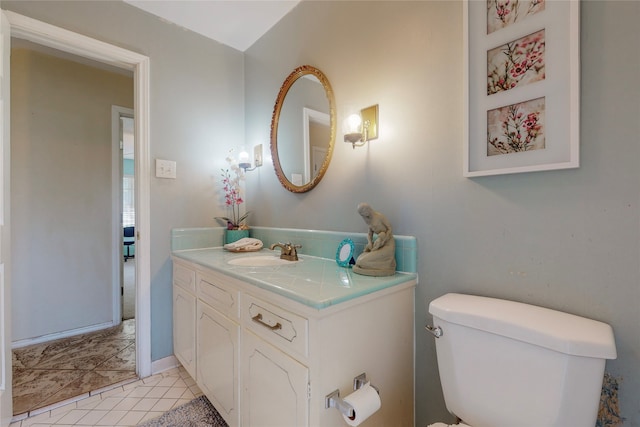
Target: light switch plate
165,169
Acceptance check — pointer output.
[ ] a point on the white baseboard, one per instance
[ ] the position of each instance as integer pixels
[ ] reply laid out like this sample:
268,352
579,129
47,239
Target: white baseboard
58,335
165,364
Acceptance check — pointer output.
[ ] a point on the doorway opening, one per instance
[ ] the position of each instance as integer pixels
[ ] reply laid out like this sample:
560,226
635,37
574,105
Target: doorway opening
61,197
22,27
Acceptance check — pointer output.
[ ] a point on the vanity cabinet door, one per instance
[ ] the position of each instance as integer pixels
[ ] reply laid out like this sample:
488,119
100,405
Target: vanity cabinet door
218,359
184,277
184,329
275,386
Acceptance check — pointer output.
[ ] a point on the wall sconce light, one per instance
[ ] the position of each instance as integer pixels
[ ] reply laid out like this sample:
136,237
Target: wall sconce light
363,127
243,159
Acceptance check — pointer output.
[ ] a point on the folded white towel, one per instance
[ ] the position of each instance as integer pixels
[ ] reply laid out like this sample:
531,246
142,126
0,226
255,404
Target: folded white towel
244,244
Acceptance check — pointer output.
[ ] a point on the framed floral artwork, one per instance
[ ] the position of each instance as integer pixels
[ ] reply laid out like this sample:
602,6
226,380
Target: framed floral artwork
522,95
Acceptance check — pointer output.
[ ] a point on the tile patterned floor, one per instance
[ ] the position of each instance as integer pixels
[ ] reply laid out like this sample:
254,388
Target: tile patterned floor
55,371
123,406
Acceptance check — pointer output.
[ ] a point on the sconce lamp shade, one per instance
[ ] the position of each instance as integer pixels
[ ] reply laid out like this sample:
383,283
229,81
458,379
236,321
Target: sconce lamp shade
352,128
243,157
243,161
353,123
361,128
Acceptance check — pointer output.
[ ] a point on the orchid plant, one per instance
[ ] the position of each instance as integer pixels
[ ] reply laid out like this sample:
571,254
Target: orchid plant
231,178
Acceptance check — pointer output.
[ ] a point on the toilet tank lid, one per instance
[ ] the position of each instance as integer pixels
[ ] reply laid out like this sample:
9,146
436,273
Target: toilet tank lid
555,330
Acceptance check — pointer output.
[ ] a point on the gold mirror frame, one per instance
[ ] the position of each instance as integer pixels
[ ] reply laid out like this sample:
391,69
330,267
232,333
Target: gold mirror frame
289,81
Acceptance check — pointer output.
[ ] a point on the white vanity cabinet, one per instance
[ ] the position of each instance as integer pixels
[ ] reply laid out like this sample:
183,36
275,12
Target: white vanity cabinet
184,316
264,359
218,340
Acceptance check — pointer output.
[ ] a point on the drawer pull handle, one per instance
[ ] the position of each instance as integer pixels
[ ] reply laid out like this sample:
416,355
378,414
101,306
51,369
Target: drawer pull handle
258,318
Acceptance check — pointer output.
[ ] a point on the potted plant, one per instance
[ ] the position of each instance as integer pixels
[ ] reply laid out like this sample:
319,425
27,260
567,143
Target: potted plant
236,225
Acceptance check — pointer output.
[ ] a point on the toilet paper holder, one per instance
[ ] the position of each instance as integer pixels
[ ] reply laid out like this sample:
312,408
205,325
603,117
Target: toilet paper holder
333,399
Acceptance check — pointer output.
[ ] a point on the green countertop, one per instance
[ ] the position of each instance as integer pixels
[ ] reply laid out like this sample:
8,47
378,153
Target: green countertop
313,281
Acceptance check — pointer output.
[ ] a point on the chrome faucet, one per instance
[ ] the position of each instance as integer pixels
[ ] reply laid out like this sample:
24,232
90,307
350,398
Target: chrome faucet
288,251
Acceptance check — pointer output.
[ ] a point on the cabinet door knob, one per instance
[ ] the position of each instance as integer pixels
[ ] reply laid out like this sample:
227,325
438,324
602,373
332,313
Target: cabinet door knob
258,318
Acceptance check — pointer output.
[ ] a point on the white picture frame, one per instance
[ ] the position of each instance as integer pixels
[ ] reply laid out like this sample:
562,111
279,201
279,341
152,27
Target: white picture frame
522,91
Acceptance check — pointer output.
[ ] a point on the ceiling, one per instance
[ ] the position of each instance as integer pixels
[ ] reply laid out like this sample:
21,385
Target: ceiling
235,23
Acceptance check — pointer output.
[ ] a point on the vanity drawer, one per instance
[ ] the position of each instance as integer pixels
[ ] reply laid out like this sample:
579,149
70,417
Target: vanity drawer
215,290
184,277
277,325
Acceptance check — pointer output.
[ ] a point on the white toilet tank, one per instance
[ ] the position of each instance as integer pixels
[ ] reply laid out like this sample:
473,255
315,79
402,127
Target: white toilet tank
504,363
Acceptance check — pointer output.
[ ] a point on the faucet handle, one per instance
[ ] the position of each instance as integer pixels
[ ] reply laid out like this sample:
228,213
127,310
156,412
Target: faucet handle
293,247
293,251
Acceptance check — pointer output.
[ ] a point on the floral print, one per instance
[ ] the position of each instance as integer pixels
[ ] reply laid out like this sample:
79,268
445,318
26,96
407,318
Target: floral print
516,128
502,13
516,63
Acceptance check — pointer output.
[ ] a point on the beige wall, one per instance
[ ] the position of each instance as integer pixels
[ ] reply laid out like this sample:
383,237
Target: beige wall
61,192
568,240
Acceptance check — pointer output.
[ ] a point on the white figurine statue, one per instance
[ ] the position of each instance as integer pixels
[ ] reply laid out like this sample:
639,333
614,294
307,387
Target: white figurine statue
379,256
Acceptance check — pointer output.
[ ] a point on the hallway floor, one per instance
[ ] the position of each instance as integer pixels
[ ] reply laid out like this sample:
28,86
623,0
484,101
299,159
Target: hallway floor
122,405
52,372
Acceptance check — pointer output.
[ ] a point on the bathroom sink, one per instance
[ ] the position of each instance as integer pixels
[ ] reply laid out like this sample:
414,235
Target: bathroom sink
261,261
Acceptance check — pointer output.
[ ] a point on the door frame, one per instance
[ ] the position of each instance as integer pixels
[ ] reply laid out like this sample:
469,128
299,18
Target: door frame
117,173
58,38
6,374
310,115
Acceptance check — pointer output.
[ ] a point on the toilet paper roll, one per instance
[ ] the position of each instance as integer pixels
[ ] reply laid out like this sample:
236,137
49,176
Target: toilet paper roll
365,402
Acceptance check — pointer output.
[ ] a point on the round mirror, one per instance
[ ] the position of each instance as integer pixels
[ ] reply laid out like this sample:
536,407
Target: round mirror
303,129
344,254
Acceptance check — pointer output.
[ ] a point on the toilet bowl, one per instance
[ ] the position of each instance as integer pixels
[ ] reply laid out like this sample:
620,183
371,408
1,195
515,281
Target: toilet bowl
506,363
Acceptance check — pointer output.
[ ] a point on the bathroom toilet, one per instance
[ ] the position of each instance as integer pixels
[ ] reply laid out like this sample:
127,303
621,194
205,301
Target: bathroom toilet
504,363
